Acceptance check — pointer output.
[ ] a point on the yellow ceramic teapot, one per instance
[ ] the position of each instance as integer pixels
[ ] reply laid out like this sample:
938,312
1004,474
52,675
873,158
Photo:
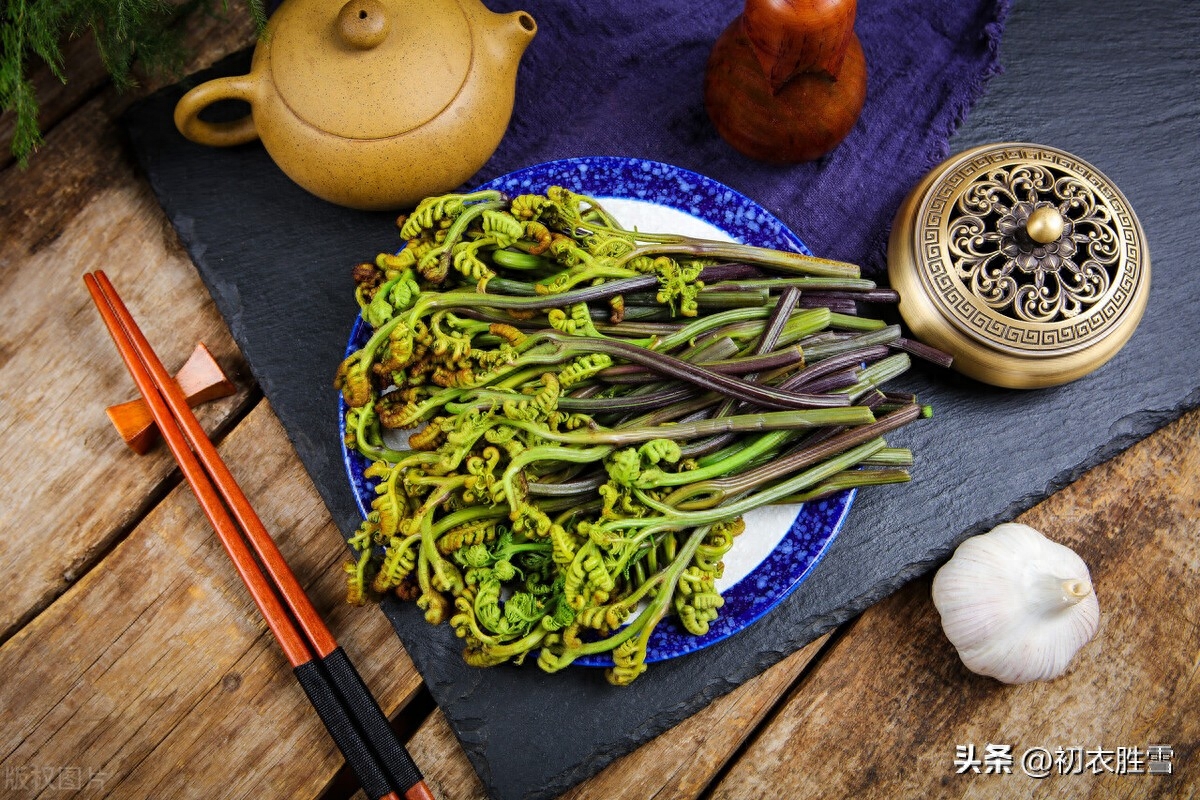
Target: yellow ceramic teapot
377,104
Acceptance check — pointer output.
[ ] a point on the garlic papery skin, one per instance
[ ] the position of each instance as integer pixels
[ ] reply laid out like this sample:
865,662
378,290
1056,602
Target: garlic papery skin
1016,605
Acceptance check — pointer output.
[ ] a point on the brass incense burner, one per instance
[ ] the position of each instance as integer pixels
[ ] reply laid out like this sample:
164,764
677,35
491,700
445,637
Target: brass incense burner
1023,261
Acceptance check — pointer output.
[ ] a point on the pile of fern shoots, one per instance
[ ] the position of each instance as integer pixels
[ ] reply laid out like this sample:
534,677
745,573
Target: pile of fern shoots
592,410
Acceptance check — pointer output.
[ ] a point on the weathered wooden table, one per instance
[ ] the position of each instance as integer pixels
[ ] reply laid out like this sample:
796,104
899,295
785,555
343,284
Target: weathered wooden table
133,663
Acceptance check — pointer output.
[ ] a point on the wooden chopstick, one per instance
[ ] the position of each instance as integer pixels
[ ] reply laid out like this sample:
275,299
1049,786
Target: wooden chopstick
334,686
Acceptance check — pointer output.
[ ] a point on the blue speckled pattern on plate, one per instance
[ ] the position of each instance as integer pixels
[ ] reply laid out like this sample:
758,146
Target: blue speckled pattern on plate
816,524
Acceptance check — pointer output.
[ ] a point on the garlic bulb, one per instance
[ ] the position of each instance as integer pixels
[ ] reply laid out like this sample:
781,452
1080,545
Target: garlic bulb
1016,605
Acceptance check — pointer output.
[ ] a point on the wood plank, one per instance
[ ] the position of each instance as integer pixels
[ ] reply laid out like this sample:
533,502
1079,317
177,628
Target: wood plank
80,206
880,715
447,771
68,486
679,763
155,674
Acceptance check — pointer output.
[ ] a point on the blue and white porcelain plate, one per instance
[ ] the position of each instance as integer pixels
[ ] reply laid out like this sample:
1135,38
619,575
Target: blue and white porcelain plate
781,544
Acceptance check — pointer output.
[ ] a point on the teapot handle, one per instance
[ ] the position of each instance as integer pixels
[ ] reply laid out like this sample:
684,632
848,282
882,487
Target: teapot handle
217,134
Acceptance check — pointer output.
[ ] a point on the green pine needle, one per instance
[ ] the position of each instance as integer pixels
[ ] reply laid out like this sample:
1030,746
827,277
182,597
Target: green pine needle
126,32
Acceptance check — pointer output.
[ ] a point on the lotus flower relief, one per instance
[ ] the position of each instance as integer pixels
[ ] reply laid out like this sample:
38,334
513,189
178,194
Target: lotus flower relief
1030,256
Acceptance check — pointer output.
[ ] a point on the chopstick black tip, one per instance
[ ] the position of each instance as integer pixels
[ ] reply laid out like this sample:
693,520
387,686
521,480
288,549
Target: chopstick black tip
342,730
393,757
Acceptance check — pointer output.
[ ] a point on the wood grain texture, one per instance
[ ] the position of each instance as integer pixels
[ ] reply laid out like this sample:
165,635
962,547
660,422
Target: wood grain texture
893,536
448,773
879,716
68,485
683,761
108,677
80,206
156,673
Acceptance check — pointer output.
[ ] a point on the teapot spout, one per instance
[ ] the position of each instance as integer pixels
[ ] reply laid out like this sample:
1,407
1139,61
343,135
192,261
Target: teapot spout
512,32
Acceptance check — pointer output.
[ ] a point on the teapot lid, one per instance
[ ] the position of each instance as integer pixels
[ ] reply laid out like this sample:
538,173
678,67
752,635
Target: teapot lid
369,69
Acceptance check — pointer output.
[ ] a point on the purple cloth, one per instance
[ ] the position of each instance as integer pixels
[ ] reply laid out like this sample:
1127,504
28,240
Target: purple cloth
626,79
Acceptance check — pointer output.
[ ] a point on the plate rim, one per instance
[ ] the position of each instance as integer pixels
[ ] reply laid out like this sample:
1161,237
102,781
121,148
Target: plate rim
689,643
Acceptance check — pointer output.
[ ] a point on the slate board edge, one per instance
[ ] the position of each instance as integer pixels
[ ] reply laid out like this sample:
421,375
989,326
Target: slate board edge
1139,424
1129,429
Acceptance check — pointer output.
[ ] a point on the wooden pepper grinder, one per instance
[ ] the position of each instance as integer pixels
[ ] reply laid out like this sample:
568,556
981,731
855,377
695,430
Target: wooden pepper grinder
787,79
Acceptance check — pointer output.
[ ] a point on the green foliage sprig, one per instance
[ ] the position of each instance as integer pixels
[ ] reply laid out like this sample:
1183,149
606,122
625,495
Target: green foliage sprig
126,31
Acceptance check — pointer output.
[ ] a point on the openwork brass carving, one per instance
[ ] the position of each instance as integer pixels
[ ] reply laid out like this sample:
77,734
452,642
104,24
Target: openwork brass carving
1013,252
1013,273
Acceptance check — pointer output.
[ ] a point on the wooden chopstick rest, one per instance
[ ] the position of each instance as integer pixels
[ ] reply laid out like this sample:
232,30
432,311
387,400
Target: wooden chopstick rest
201,380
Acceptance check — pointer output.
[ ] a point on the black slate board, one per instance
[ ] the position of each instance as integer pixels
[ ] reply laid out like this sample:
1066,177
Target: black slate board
1114,88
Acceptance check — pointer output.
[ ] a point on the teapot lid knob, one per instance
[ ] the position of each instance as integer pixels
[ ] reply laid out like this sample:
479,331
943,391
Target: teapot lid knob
363,24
